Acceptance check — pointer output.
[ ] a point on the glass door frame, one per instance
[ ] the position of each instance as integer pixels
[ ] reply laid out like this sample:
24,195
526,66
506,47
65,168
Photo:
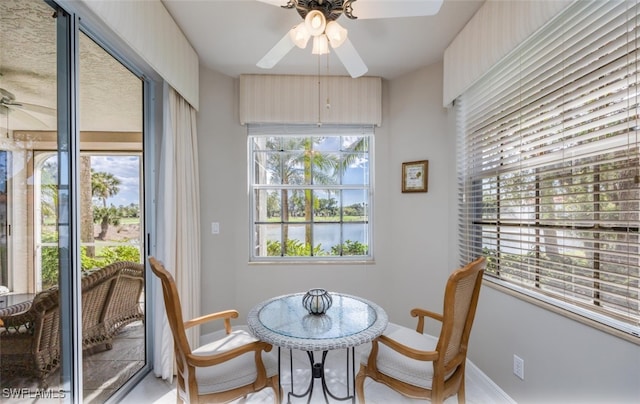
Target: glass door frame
68,204
69,26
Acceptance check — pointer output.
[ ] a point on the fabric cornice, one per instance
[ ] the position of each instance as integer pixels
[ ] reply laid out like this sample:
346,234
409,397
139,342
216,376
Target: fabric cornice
310,99
275,129
496,29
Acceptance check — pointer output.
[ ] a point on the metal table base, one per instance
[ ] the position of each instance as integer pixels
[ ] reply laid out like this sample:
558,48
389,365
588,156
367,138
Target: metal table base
317,372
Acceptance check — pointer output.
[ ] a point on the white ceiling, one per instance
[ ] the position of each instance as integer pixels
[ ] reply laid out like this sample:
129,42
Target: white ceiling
110,96
232,36
229,37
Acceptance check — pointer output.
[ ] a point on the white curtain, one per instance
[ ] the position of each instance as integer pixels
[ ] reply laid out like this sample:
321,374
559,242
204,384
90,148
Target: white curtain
178,218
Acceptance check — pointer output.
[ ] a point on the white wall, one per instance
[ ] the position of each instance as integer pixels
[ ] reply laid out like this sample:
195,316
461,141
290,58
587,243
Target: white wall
418,265
415,250
408,252
564,361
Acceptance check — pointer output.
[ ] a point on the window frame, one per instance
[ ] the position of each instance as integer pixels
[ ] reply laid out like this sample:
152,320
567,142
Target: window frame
301,131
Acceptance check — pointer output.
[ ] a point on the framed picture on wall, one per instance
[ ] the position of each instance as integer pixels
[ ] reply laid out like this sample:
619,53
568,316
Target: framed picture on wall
415,176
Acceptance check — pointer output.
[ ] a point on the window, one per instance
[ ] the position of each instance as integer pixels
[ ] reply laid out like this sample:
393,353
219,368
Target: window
310,192
548,162
110,225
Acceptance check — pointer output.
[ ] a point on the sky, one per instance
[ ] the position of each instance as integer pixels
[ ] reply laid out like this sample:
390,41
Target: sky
127,169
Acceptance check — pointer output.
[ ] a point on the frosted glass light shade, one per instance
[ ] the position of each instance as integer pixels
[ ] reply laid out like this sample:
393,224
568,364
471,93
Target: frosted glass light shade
315,22
300,35
320,45
336,34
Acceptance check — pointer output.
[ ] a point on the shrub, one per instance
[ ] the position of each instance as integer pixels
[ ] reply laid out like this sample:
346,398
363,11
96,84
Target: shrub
295,248
109,255
350,248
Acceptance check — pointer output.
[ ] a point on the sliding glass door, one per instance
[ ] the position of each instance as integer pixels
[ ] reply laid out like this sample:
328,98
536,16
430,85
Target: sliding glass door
71,205
31,341
111,225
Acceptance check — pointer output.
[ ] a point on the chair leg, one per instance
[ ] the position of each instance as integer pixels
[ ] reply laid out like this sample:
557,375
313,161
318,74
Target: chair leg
461,393
275,385
360,384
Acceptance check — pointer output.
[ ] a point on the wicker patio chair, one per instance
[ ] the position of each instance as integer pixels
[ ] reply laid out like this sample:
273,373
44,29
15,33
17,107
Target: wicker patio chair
30,334
30,340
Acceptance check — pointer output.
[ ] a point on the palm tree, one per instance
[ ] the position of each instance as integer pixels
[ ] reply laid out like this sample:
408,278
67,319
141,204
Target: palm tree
105,216
49,190
305,167
86,206
104,185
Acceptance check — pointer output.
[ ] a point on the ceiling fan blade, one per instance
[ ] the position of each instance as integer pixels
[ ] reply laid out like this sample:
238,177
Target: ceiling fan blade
28,121
41,109
277,52
350,58
274,2
369,9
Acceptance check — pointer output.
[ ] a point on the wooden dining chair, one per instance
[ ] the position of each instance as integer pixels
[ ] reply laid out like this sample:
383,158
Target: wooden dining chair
422,366
233,366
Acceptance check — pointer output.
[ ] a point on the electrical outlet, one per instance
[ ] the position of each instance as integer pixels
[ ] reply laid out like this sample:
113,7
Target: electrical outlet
518,366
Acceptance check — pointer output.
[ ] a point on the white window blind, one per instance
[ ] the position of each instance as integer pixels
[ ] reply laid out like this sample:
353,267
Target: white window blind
548,163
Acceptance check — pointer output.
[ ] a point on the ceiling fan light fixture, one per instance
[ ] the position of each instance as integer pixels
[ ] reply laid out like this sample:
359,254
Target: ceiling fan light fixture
336,34
315,22
320,45
300,35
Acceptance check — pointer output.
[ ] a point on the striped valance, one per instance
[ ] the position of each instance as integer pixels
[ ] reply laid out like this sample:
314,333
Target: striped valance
493,32
310,99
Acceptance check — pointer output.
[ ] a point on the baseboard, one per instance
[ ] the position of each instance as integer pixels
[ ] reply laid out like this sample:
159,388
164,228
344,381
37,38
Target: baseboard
487,385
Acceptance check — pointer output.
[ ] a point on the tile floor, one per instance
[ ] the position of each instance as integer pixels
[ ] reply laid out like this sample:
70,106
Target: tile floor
479,388
104,372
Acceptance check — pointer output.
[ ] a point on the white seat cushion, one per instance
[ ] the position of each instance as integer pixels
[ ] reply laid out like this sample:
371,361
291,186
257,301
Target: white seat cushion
412,371
236,372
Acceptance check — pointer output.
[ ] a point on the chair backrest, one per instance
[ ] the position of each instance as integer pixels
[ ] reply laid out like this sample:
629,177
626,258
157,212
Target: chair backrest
124,304
173,308
45,315
460,302
97,286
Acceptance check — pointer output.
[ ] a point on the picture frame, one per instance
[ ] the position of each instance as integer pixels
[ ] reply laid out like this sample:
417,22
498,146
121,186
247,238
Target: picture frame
415,176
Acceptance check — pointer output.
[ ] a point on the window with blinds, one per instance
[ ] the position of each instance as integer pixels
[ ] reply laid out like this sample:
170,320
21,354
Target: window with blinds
548,161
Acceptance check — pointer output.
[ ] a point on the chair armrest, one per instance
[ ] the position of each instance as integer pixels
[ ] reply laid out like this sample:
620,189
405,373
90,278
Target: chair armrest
18,322
421,314
408,351
15,309
225,315
210,360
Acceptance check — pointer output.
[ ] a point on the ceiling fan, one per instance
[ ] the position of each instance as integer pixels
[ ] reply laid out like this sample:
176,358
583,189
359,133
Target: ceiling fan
320,24
22,110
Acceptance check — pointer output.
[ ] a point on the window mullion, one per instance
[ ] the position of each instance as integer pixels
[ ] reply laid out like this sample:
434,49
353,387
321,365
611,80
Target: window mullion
320,212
